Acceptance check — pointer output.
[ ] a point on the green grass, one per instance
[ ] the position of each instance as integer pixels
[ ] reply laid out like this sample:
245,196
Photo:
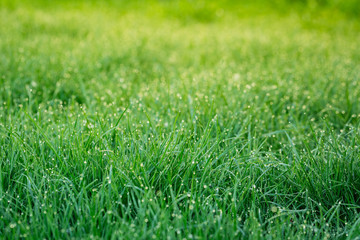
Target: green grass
179,119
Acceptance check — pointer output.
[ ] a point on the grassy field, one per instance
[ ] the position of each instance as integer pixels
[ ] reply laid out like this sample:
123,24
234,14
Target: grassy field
179,119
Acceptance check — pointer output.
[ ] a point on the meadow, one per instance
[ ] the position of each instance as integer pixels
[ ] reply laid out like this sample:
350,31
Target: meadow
179,119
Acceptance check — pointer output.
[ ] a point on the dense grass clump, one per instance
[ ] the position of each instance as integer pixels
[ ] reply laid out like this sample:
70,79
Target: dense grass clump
179,120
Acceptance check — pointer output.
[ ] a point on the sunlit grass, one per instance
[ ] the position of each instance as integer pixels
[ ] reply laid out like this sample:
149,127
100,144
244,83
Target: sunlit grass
173,120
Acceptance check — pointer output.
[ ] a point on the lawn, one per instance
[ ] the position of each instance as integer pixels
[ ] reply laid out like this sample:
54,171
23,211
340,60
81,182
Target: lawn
179,119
